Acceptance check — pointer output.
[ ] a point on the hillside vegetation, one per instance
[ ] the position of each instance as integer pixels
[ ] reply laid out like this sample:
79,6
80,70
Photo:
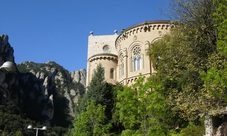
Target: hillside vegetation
42,94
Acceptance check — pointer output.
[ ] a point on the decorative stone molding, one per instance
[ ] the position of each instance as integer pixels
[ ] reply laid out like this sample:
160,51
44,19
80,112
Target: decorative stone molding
103,56
143,27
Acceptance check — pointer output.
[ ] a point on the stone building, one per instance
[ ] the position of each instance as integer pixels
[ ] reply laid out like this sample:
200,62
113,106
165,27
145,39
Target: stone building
124,56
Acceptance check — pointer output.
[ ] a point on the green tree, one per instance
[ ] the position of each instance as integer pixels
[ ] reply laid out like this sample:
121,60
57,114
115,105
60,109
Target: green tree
102,94
91,122
220,18
12,120
117,126
143,109
215,77
98,90
184,53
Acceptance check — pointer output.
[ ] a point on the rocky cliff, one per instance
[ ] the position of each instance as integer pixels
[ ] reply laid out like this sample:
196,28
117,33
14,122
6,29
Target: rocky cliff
44,92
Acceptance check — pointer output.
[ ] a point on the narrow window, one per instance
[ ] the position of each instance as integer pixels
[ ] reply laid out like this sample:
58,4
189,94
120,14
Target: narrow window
112,73
139,63
103,74
135,62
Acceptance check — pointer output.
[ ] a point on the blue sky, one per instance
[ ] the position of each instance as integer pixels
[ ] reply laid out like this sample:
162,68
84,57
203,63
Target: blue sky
58,30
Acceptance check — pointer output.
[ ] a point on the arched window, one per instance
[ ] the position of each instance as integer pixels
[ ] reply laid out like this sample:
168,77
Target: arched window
112,73
137,59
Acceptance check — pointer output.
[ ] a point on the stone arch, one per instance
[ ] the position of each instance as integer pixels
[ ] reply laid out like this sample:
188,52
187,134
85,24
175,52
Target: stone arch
133,44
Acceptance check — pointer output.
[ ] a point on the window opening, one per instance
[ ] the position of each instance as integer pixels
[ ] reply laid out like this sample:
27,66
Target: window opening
137,59
111,73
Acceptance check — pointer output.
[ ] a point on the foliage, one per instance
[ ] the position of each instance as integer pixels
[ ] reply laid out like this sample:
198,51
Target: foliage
184,54
117,126
56,131
99,94
92,121
215,77
61,117
191,60
177,72
221,22
98,91
12,120
95,89
192,130
143,109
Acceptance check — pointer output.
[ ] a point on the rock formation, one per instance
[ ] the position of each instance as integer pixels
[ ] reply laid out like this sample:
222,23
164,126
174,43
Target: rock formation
41,90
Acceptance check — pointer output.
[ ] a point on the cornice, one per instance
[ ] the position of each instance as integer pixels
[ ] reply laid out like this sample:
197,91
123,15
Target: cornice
103,56
146,26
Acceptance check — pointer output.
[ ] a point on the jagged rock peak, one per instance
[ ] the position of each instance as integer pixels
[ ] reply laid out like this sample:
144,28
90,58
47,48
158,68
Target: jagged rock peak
47,86
79,76
6,51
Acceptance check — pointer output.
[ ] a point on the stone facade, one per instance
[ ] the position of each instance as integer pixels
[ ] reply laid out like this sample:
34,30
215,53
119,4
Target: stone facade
124,56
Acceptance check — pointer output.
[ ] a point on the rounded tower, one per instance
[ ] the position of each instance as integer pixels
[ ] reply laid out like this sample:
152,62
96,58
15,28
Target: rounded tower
131,46
101,50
